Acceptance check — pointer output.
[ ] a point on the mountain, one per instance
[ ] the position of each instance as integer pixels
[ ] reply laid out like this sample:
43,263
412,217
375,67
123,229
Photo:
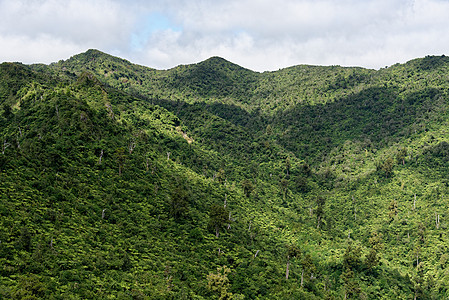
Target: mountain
211,181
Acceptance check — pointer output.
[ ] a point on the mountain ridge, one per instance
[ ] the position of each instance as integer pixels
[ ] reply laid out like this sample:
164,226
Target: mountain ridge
291,83
429,61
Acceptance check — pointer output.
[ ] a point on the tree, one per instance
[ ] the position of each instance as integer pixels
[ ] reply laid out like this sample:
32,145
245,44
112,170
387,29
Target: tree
221,176
218,217
393,210
373,259
284,187
421,232
351,258
308,268
320,202
7,112
287,166
418,282
219,283
306,169
292,252
302,184
121,157
269,130
248,187
351,262
24,241
28,287
179,202
386,167
352,288
376,241
400,156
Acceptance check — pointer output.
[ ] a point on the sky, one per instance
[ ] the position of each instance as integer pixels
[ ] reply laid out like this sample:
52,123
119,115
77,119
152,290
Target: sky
260,35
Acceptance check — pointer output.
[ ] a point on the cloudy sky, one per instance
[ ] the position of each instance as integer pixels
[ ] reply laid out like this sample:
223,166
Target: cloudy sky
258,34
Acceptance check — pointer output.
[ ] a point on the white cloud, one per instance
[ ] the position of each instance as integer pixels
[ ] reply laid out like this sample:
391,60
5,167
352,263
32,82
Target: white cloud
33,28
40,49
258,34
80,20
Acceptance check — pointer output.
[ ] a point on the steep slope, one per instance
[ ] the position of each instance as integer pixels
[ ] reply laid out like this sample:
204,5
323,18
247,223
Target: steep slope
102,195
310,182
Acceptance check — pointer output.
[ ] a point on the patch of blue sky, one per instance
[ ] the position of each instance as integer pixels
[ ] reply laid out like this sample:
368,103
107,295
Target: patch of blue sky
149,24
238,31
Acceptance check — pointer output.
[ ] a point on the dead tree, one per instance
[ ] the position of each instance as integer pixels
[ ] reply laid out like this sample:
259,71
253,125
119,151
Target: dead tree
131,146
101,156
5,145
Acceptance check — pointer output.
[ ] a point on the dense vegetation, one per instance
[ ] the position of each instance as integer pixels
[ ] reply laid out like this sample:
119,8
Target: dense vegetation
210,181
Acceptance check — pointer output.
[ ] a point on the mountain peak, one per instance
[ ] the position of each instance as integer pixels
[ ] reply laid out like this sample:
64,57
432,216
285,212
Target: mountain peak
95,51
94,54
216,61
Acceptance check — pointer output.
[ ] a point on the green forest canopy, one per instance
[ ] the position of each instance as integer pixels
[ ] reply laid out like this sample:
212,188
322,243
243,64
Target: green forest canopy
211,181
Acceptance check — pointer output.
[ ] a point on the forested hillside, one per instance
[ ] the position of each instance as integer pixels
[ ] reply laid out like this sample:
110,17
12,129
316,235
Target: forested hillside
211,181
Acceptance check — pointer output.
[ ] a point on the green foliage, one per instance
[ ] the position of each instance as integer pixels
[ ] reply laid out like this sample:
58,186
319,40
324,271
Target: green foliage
7,112
28,287
351,258
393,210
320,202
114,179
218,217
218,283
401,155
293,251
179,201
248,187
373,259
386,166
351,285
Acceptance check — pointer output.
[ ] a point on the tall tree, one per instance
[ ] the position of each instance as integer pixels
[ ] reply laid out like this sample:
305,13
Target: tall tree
293,251
320,202
218,217
248,187
121,158
179,201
